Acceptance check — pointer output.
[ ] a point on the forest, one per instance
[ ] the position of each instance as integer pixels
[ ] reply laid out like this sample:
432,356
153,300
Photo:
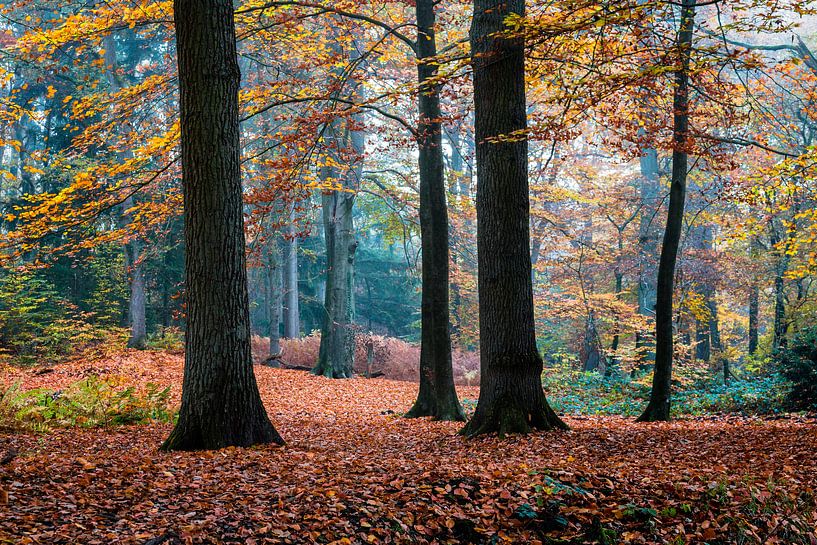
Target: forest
408,271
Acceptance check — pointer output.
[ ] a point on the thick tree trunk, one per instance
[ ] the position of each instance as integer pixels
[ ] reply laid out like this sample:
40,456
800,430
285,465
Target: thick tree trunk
221,405
511,397
337,349
658,408
292,313
437,396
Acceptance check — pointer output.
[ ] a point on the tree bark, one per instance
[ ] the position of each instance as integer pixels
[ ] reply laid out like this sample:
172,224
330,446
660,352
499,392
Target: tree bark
781,265
437,396
221,405
511,399
292,313
647,248
754,316
133,249
274,291
337,349
138,297
658,408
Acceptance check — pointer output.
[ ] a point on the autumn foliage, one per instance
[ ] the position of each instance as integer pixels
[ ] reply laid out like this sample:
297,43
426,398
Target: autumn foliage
353,471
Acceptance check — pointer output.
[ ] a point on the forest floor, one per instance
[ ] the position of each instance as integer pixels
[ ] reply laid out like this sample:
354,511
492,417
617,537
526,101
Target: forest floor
354,471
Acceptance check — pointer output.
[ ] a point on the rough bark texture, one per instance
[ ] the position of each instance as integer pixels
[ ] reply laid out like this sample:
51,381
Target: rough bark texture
658,408
437,396
221,405
511,399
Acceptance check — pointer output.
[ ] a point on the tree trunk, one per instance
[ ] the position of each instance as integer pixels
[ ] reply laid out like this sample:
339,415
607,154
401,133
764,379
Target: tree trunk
274,291
437,396
221,405
337,349
511,399
292,313
591,349
647,248
703,348
754,316
138,298
658,408
133,249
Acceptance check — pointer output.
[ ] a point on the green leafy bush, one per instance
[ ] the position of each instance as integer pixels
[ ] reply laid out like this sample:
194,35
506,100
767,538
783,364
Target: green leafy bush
572,391
166,339
798,363
36,323
88,403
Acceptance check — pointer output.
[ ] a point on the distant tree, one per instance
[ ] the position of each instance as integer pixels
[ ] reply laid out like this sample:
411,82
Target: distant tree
511,399
221,405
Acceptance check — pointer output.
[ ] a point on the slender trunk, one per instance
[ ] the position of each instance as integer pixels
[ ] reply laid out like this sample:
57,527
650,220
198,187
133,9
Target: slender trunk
754,316
274,290
647,248
138,299
715,333
511,399
221,405
437,396
133,249
703,348
591,351
658,408
292,313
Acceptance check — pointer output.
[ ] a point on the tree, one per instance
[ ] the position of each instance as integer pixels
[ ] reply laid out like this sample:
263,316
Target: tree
511,399
133,249
437,396
221,405
658,408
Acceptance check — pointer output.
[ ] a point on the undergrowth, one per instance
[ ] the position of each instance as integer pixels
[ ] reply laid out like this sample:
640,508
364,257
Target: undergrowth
577,392
91,402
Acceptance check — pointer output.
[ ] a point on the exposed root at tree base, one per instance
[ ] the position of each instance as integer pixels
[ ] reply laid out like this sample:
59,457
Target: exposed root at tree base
507,418
655,413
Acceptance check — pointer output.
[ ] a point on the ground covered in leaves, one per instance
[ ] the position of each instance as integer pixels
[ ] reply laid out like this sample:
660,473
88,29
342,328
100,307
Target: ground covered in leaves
354,471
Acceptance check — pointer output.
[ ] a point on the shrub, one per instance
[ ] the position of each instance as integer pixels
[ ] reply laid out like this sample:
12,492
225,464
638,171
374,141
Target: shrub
798,363
169,339
88,403
35,323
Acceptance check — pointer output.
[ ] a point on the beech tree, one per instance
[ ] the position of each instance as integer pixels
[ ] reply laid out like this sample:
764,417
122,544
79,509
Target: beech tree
221,405
511,399
437,396
658,408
